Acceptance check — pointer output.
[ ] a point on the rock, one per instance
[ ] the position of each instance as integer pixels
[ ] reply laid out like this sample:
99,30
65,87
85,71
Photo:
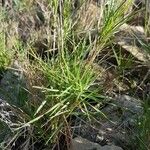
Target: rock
127,39
7,114
13,85
9,119
13,97
123,113
86,18
80,143
111,147
119,126
130,106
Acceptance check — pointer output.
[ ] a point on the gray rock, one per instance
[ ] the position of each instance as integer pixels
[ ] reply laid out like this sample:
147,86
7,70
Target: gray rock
6,114
123,114
12,94
80,143
111,147
131,108
118,127
12,86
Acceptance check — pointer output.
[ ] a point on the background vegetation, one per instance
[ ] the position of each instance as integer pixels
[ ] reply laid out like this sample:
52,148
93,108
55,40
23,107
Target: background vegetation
69,58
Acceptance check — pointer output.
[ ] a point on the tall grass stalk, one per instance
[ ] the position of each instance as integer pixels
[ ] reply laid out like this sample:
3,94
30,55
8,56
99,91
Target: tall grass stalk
114,15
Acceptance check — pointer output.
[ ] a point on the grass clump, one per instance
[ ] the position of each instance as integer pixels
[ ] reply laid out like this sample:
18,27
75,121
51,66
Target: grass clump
113,17
69,79
67,91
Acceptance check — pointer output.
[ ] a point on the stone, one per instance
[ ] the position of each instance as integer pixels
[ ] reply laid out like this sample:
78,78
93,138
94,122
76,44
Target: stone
13,85
80,143
119,126
111,147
